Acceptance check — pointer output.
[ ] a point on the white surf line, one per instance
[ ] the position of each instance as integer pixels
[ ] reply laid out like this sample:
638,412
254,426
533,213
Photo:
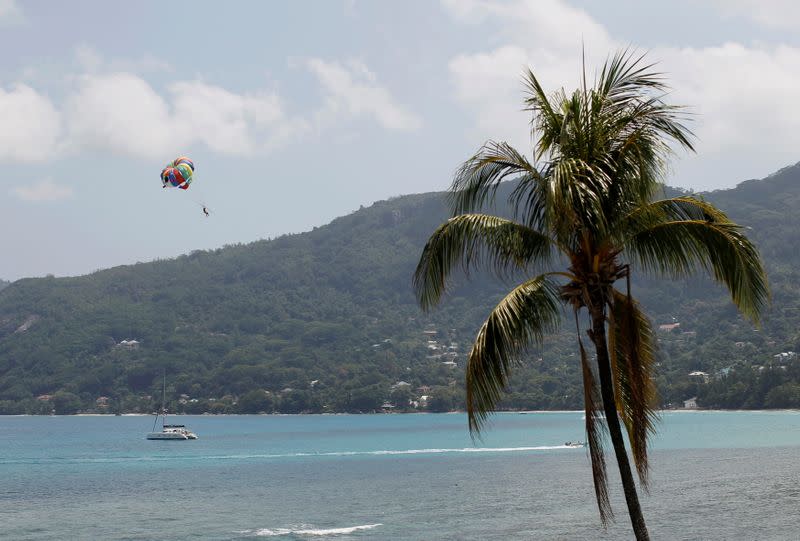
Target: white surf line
308,530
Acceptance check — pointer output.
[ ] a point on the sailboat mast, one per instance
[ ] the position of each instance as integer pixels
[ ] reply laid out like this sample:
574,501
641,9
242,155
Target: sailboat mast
164,400
163,411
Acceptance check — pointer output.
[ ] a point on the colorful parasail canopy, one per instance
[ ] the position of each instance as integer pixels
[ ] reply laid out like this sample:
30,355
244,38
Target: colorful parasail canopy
178,173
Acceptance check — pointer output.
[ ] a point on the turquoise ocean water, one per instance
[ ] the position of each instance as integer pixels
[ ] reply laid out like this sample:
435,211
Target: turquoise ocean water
715,475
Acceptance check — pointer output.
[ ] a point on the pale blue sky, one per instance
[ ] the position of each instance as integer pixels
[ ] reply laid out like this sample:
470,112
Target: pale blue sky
298,112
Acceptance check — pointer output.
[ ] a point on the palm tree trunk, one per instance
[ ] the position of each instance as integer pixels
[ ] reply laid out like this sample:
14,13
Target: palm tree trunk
598,336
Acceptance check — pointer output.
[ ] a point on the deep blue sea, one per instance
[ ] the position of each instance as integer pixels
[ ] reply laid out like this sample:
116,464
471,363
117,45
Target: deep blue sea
715,475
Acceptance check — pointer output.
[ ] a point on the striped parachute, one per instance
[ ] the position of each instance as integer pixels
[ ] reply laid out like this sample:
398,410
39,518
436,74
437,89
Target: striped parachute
178,173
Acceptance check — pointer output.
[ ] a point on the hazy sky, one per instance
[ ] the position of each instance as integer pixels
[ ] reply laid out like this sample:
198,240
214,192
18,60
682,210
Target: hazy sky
297,112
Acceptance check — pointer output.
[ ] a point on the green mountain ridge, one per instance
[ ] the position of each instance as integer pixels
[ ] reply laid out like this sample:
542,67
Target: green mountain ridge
326,321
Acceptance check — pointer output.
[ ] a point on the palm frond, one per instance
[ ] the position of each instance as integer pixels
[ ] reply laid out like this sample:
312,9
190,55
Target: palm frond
576,195
547,118
520,320
684,207
643,132
632,352
568,198
653,213
625,76
476,181
633,94
676,247
476,241
638,150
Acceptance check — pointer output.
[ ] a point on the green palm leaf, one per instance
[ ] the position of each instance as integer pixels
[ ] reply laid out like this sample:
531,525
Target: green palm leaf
520,320
676,248
476,240
673,209
624,76
476,181
547,119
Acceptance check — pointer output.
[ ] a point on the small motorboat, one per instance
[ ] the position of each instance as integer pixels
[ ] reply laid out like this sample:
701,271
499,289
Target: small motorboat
575,443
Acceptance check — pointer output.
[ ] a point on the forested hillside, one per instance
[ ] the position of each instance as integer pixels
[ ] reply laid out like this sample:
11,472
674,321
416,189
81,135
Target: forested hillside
326,321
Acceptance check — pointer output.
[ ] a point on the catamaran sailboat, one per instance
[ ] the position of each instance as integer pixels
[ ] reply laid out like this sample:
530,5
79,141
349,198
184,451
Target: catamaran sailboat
172,432
169,432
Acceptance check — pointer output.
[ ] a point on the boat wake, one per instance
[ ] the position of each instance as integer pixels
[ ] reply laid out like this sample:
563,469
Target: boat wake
307,530
435,451
270,456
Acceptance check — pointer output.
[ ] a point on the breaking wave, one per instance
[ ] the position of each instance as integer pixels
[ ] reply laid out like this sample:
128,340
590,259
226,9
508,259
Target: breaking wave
306,530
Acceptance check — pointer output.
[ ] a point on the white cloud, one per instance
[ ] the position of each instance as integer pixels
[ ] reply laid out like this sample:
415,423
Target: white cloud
490,85
553,23
120,112
226,122
744,95
30,125
545,35
354,89
10,12
123,114
45,190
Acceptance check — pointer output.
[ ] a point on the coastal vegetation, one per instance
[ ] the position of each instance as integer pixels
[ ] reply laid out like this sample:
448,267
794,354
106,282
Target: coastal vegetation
281,313
588,212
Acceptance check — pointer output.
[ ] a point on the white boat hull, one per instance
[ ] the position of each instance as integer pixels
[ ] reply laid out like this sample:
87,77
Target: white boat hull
166,436
172,433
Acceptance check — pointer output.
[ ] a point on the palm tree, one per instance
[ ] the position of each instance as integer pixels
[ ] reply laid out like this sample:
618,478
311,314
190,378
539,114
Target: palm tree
587,199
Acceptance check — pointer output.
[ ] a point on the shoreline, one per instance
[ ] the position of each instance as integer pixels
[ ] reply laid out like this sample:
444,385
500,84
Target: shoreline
520,412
